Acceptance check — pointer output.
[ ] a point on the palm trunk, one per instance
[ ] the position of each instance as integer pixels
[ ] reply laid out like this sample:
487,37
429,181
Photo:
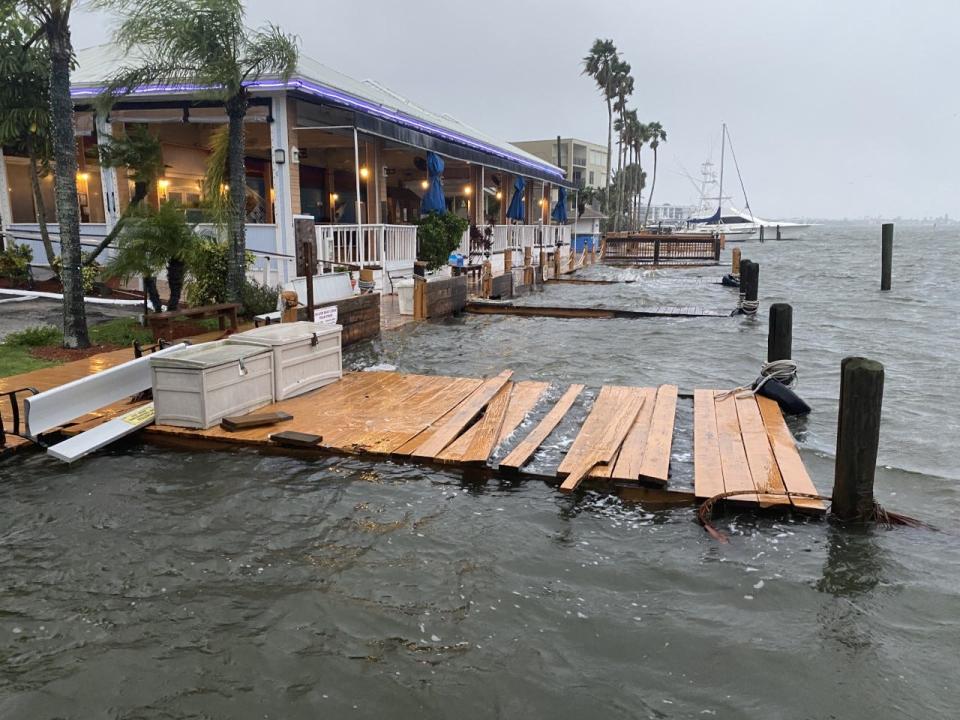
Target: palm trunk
150,287
236,215
41,207
606,187
175,271
653,184
65,167
621,181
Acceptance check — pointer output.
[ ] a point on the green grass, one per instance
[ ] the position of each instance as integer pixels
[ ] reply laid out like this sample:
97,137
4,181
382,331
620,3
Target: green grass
122,331
16,359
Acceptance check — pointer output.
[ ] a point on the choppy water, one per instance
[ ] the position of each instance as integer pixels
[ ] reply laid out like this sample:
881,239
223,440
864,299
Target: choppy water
146,583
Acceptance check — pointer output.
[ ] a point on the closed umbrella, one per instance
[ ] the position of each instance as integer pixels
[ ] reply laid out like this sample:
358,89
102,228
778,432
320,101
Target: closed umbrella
433,200
560,209
516,211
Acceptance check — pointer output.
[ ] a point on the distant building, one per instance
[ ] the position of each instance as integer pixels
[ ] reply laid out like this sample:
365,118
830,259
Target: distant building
666,213
585,163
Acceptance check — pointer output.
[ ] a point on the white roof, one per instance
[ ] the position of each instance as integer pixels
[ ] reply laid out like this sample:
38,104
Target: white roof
95,65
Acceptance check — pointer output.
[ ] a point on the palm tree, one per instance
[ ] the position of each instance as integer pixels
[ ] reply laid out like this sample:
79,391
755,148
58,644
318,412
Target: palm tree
641,133
52,19
623,88
25,108
598,65
657,135
205,43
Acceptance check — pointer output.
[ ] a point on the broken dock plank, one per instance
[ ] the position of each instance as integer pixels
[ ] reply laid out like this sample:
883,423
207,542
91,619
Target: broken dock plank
463,415
656,455
707,464
629,458
763,465
733,456
521,454
611,417
794,474
488,428
523,397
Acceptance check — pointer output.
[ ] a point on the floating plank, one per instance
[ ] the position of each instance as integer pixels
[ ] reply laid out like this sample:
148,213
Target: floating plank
243,422
59,405
763,465
464,414
792,470
707,466
629,458
613,414
522,453
523,398
505,308
488,428
102,435
733,458
292,438
656,456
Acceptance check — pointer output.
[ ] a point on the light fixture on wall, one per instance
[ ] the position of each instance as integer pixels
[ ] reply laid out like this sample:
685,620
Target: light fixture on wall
467,189
364,173
499,195
279,156
162,185
424,184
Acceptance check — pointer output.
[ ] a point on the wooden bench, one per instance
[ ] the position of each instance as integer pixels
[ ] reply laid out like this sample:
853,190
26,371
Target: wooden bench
161,324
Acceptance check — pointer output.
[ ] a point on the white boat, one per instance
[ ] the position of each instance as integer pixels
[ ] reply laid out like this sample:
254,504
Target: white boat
715,214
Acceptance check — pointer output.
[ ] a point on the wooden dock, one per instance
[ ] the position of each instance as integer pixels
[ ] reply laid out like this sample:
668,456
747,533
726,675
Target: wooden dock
622,437
490,307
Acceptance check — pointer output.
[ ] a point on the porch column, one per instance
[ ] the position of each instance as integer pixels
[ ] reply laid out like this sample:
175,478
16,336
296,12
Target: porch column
506,190
286,182
479,199
376,186
108,176
529,213
547,199
6,210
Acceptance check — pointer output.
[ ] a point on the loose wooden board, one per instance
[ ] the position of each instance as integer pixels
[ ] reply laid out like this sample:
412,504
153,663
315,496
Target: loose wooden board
792,470
733,457
484,440
626,464
763,466
613,414
707,465
522,453
523,398
464,414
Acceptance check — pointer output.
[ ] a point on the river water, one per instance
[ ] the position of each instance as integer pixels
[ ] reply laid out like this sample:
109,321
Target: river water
148,583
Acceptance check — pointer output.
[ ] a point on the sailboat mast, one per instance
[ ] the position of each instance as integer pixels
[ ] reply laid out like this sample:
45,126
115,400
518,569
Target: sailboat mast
723,144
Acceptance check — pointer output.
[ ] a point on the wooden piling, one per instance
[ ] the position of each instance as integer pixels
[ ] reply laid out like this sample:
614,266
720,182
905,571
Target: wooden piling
886,251
761,233
858,438
486,280
508,260
556,262
735,263
780,332
572,262
778,232
749,281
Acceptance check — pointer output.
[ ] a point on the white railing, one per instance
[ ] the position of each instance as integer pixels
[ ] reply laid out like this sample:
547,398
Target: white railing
518,237
390,246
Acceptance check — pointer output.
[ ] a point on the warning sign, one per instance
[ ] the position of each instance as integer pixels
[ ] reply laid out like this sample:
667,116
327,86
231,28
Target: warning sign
325,315
140,416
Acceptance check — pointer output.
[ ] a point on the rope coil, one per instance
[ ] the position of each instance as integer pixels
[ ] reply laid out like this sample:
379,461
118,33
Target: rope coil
749,307
784,371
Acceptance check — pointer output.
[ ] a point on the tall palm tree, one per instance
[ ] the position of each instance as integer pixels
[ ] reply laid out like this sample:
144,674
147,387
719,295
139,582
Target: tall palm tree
656,135
623,89
205,43
641,133
598,65
52,18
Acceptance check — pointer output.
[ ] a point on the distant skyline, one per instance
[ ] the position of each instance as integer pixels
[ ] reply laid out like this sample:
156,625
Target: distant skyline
836,109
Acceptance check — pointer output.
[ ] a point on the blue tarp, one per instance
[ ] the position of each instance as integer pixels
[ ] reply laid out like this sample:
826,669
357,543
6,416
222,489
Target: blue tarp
715,218
560,209
516,211
433,200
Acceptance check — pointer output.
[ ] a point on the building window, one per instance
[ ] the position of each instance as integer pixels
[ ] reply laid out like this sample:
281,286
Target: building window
591,179
578,177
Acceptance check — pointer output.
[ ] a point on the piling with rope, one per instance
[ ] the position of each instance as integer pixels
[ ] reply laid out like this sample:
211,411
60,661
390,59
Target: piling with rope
749,287
780,332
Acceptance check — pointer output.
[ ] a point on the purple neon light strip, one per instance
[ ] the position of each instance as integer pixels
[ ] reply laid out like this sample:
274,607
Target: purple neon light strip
345,99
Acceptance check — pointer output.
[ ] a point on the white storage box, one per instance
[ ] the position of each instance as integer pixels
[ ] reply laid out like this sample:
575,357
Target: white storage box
404,290
199,386
306,355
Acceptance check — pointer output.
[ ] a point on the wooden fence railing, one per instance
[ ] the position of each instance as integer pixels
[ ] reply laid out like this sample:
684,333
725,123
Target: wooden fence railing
661,249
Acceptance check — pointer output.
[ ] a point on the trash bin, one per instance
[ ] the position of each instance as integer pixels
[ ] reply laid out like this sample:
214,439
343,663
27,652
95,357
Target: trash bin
405,296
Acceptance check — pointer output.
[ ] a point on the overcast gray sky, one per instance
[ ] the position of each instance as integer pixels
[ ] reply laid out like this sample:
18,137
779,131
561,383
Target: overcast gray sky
837,108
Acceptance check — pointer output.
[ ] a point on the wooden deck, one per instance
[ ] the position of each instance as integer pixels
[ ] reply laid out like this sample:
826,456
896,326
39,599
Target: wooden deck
489,307
623,437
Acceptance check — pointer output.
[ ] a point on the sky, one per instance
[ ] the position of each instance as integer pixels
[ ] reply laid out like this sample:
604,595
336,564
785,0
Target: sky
837,108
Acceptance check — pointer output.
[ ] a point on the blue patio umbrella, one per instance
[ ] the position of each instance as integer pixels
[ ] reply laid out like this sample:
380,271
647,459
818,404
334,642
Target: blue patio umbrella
516,210
433,200
560,209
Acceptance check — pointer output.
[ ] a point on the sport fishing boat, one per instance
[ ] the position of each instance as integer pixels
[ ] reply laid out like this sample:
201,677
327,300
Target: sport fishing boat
716,215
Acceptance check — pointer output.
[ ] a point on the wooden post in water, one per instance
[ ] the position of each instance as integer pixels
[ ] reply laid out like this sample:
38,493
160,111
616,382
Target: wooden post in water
886,250
749,285
310,267
508,260
486,280
858,438
761,233
778,232
735,263
556,262
780,332
528,266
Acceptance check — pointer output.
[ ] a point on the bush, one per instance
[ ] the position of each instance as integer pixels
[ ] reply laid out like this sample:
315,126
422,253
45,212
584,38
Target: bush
88,273
438,235
39,336
259,299
208,266
15,263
